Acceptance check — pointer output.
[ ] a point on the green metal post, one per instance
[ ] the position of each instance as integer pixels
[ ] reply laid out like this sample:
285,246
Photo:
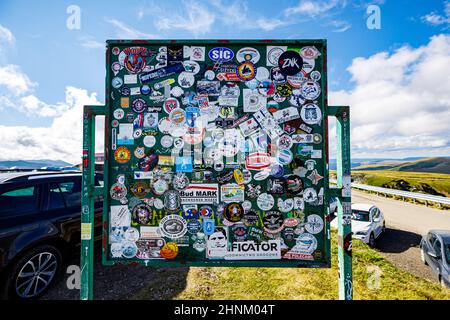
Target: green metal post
343,194
87,202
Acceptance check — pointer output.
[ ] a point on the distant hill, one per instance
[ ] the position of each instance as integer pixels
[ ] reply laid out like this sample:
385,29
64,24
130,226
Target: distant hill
434,165
33,164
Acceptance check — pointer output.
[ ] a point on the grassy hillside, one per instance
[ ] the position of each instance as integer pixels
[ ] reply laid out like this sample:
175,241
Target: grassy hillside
277,283
430,183
433,165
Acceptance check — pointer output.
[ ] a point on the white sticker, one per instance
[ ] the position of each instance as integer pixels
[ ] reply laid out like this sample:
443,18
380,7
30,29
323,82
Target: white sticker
130,78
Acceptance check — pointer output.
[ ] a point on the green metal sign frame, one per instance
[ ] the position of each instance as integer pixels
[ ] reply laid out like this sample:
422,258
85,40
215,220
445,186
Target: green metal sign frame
341,192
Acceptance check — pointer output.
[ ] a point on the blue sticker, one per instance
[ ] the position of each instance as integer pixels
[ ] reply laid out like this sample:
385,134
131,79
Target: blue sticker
183,164
192,115
190,213
194,226
221,54
209,226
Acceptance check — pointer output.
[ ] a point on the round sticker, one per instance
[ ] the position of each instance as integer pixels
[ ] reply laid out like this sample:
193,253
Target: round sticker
177,116
134,63
285,205
306,243
145,89
180,181
139,152
314,224
294,184
172,201
311,114
246,71
140,189
176,92
119,114
160,186
118,191
310,195
290,63
315,75
273,222
266,88
139,105
122,155
276,76
149,141
166,141
191,66
309,52
273,55
262,73
284,157
233,212
310,90
137,133
116,82
248,54
296,80
169,250
252,84
265,201
173,226
158,204
210,75
308,65
164,125
285,142
186,79
142,214
171,104
129,249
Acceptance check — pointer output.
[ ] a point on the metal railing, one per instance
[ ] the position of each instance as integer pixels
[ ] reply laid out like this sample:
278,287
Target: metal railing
405,194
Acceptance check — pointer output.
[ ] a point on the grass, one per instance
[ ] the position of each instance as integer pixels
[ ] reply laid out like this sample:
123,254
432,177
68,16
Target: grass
291,283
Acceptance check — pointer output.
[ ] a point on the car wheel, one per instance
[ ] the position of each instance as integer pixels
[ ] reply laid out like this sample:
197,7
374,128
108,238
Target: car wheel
422,257
32,275
372,241
384,228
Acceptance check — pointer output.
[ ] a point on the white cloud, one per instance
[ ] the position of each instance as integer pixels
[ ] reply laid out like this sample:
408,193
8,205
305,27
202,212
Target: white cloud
401,101
313,8
236,14
340,26
198,19
436,19
15,80
124,31
60,141
89,42
6,36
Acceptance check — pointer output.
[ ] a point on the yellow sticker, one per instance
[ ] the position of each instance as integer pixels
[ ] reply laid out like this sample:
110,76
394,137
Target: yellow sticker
86,231
125,102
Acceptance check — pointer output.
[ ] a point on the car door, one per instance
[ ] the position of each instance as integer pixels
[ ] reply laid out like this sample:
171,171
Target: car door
437,248
375,212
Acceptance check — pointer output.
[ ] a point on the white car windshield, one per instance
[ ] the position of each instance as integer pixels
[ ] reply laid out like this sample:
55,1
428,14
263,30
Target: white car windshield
360,215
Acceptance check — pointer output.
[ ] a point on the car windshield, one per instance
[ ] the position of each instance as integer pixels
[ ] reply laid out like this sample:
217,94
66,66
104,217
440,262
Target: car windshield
360,215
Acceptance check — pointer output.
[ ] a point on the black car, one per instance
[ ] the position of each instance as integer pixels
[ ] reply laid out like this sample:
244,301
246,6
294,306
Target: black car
40,218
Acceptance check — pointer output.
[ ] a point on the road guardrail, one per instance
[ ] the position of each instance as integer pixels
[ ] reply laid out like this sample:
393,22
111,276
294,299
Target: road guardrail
400,193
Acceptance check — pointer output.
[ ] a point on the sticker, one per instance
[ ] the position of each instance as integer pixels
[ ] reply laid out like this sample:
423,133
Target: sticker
129,249
130,79
276,76
183,164
314,224
194,226
169,250
180,181
284,157
273,222
173,226
285,142
310,90
262,73
221,54
140,189
248,55
197,53
276,186
315,75
186,79
172,201
142,214
119,114
200,194
119,215
122,155
290,63
308,65
233,212
191,66
139,105
311,114
285,205
309,52
310,195
161,72
305,245
208,226
315,177
294,184
208,88
149,141
265,201
287,114
246,71
148,162
253,101
273,54
116,82
139,152
232,193
210,75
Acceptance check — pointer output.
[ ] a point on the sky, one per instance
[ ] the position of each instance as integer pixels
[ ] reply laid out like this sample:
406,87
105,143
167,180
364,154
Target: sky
396,77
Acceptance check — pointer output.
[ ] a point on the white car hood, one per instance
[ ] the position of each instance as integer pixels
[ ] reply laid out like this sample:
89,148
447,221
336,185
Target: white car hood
360,226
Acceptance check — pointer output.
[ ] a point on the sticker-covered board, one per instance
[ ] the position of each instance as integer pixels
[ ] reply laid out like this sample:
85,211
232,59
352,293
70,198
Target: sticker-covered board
216,153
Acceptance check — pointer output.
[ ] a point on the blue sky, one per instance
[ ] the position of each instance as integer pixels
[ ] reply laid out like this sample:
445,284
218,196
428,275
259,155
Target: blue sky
57,69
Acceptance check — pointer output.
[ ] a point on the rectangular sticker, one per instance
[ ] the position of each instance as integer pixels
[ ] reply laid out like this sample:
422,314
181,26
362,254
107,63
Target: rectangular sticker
200,194
86,229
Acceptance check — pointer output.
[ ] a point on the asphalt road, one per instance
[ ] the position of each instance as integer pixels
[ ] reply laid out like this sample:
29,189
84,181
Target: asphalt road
405,225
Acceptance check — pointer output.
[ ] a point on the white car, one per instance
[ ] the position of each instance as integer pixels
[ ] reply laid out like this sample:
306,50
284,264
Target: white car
367,222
